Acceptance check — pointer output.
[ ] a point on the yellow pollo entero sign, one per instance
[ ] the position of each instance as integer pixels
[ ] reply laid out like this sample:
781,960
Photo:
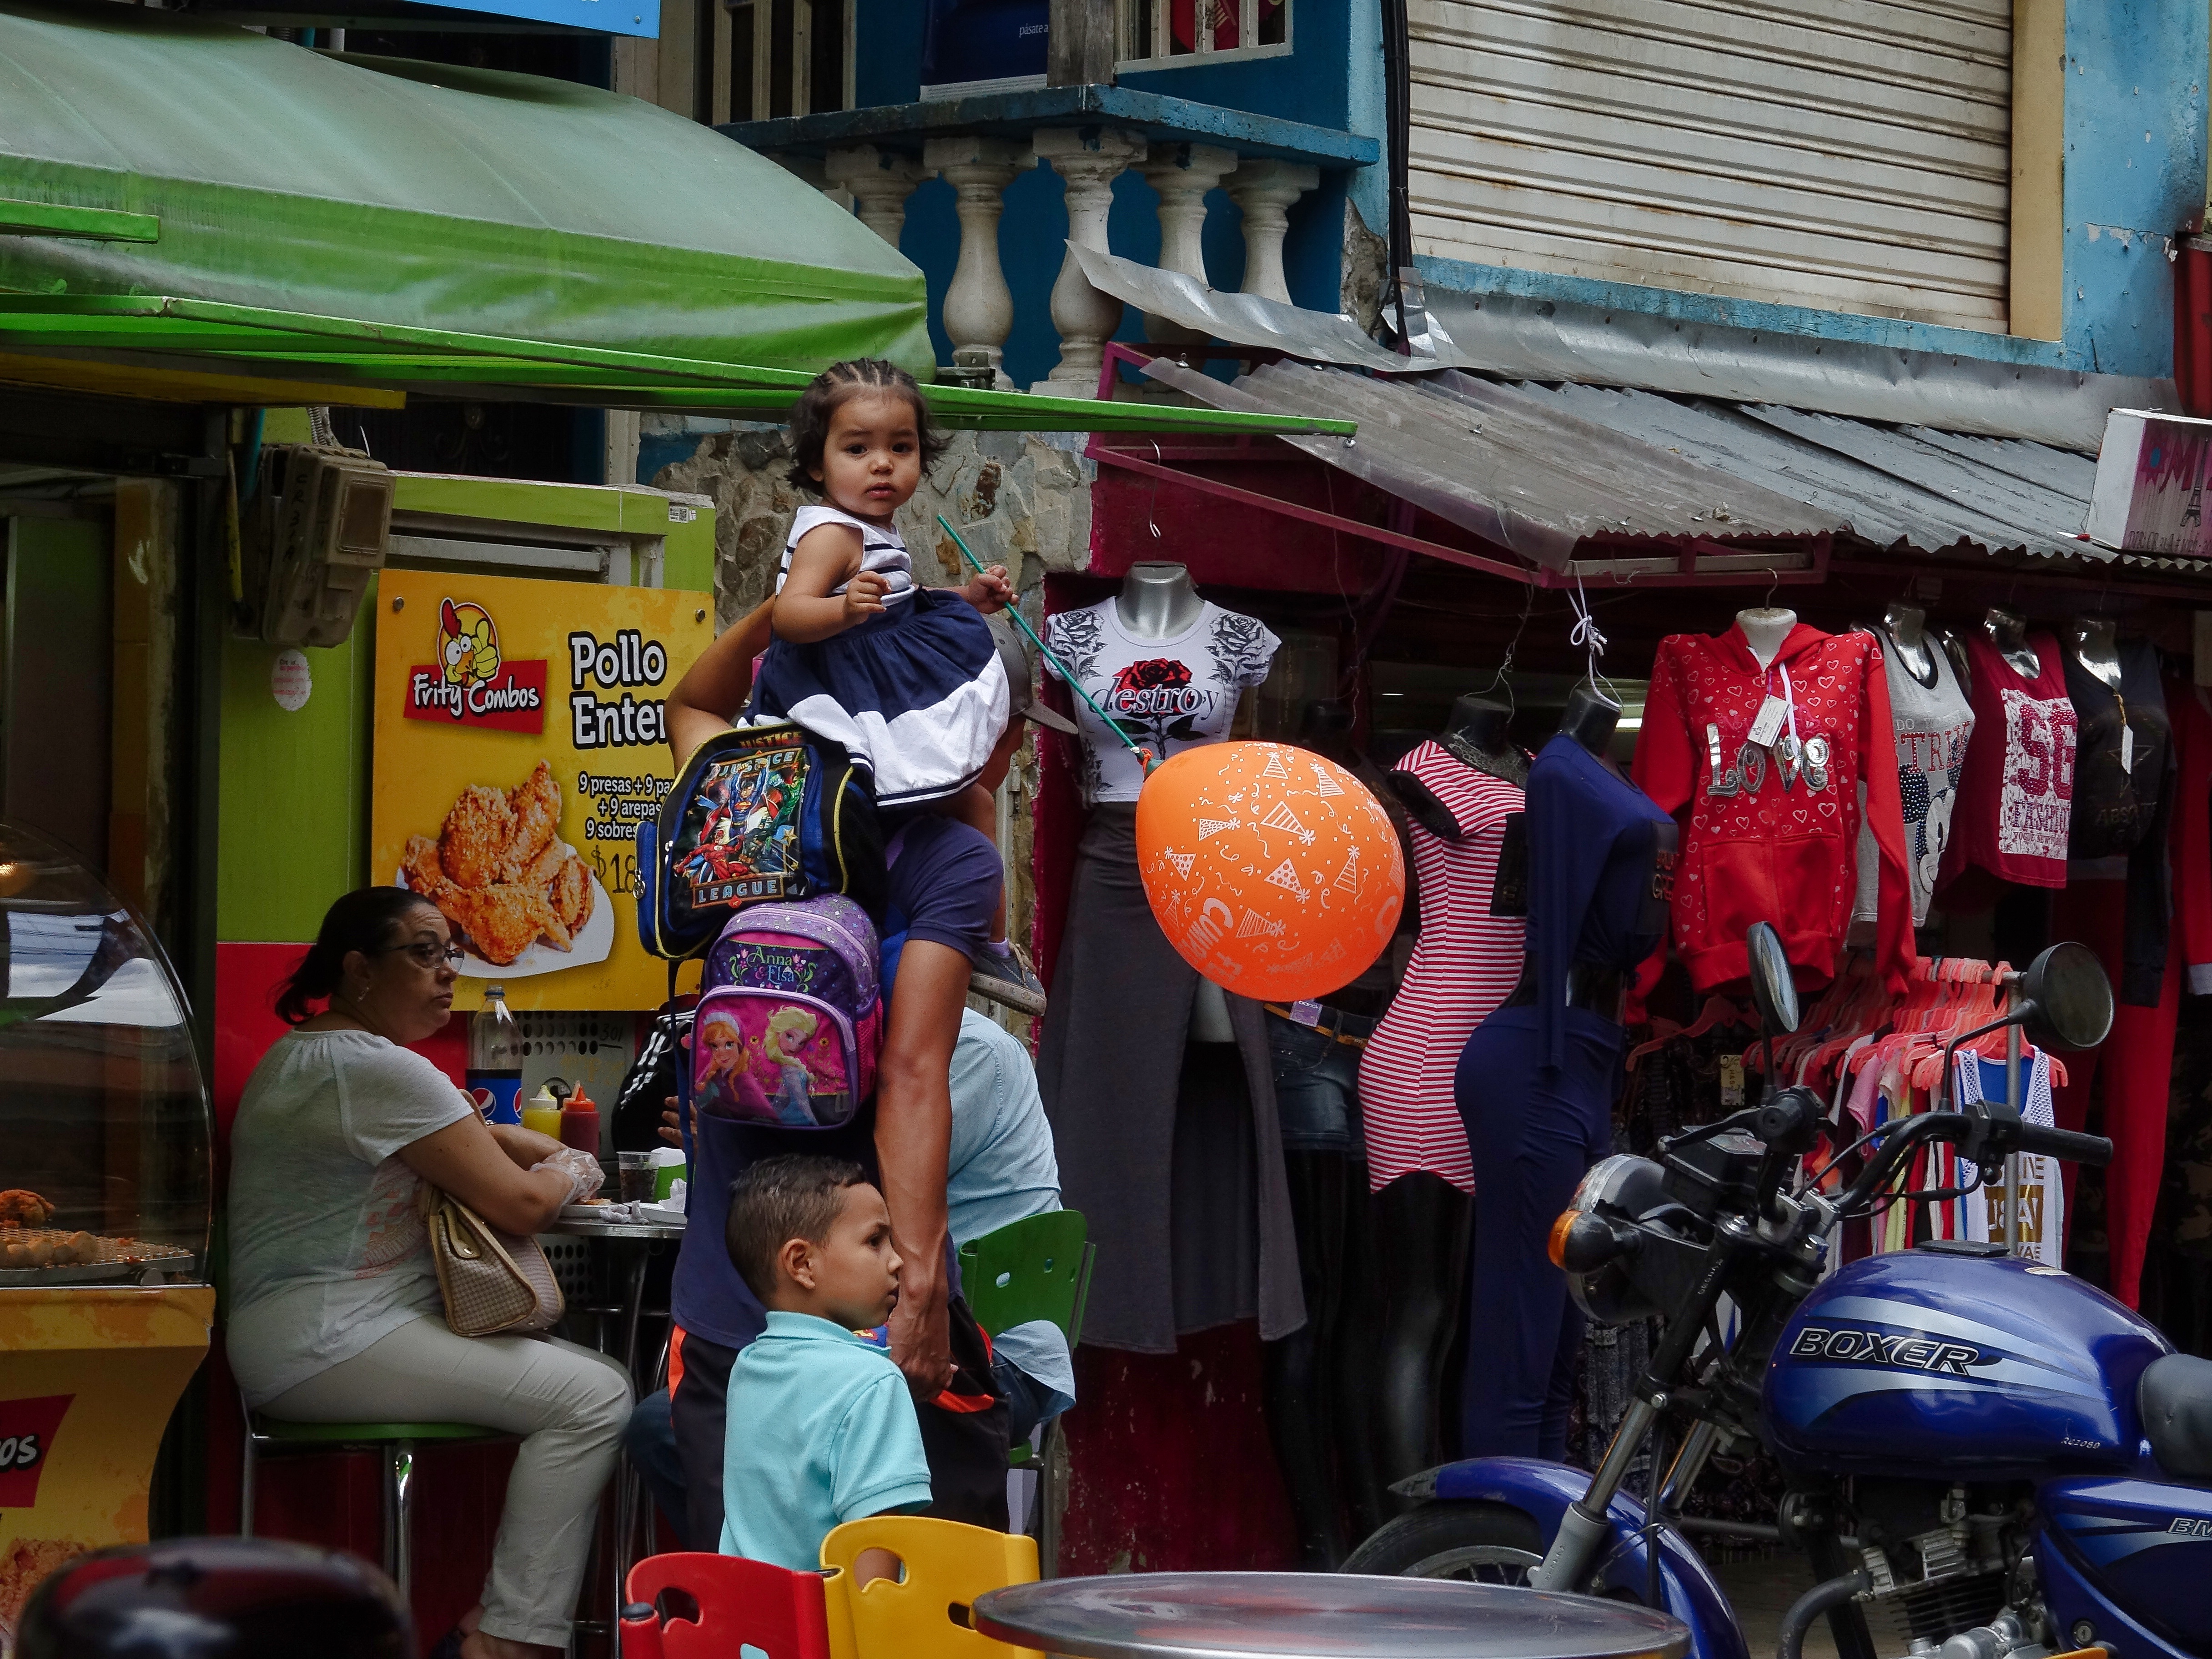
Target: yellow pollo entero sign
521,737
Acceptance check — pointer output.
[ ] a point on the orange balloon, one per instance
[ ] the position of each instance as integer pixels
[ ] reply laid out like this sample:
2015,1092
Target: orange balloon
1274,872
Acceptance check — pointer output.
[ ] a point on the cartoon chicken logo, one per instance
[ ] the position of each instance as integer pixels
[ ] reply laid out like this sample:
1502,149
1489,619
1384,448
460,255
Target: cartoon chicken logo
468,644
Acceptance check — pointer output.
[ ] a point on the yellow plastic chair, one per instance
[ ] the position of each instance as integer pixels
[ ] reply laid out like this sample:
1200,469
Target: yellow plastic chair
923,1612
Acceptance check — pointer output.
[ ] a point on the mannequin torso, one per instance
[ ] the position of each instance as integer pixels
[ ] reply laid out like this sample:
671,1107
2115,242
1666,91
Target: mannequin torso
2008,631
1764,629
1157,600
1474,736
2094,641
1591,721
1908,632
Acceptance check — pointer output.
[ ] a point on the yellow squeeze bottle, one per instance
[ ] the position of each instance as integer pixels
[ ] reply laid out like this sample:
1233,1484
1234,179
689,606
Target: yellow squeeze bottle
541,1112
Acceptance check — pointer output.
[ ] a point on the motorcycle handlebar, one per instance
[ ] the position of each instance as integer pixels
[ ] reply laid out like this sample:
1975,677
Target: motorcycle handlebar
2094,1151
1897,1145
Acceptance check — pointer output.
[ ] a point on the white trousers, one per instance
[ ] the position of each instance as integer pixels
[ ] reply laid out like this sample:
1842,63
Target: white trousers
569,1404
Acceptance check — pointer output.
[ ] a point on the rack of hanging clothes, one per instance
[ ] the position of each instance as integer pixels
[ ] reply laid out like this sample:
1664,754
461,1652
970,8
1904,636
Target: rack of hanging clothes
1685,1075
1879,1060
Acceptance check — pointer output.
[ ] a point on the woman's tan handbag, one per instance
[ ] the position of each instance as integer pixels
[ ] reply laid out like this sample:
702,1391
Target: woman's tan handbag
495,1284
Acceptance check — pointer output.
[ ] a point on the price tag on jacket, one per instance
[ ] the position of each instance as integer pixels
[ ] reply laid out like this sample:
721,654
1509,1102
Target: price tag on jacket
1768,721
1731,1082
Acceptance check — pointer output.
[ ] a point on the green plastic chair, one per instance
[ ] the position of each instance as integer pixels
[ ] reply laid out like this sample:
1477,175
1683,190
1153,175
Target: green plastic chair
1038,1269
392,1444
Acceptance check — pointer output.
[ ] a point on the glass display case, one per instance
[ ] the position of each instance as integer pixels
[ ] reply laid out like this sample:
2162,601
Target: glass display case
105,1134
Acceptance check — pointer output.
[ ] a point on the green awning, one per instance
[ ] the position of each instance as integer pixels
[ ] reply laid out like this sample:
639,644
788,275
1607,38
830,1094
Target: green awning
424,195
277,357
197,212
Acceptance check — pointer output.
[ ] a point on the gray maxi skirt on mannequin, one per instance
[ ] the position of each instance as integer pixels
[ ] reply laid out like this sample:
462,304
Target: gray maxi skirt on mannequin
1177,1171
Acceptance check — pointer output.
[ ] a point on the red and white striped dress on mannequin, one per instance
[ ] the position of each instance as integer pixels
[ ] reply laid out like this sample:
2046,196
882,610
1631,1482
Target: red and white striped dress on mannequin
1466,962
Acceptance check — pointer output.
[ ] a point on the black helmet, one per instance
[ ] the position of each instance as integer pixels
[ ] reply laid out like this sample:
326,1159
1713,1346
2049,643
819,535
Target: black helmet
202,1598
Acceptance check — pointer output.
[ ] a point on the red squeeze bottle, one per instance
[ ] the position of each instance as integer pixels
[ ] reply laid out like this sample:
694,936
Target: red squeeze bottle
580,1123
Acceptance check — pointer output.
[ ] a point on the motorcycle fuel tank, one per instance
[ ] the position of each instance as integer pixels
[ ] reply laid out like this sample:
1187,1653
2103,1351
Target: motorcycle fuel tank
1946,1365
2124,1562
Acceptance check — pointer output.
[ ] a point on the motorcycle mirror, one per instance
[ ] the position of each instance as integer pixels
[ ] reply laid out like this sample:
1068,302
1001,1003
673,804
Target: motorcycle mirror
1771,988
2065,1000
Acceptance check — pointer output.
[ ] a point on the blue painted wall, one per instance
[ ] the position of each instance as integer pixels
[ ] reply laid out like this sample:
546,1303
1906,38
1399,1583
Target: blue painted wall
1334,42
2135,175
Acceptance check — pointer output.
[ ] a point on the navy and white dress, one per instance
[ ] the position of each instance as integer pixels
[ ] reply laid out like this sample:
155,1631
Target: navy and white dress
917,693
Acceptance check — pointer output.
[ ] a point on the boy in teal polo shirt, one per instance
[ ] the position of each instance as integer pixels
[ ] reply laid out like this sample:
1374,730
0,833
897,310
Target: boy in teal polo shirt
822,1427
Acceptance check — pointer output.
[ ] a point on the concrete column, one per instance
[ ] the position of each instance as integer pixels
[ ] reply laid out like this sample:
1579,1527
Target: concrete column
979,307
880,182
1085,318
1183,173
1266,191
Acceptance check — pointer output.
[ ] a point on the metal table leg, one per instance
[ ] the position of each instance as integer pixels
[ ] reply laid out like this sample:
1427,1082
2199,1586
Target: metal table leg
626,1482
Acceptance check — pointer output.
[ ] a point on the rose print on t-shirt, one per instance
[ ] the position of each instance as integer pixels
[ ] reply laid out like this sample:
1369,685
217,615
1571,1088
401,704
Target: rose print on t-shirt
1160,674
1078,636
1243,647
1153,703
1163,696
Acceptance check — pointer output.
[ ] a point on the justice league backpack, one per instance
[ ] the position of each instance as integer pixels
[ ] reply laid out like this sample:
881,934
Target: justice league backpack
790,1019
759,815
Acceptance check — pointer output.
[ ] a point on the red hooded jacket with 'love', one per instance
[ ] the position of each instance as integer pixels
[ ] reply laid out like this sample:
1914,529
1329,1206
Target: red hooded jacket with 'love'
1772,829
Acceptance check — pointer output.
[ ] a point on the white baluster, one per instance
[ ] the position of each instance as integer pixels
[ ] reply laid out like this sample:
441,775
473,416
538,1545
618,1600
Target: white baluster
810,170
978,308
1085,318
880,182
1266,191
1183,173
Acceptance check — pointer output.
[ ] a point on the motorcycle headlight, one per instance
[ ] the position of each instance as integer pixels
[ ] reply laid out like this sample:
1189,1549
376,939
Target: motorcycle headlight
1596,1244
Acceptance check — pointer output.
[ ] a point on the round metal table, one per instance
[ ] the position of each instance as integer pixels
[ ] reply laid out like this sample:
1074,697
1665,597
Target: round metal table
632,1242
1310,1615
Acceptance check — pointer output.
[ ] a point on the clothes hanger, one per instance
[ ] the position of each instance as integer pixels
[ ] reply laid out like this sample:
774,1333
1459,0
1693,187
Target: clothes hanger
1717,1010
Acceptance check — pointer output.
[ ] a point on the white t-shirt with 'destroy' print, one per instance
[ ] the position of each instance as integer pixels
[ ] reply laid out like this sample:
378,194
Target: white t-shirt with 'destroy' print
1166,695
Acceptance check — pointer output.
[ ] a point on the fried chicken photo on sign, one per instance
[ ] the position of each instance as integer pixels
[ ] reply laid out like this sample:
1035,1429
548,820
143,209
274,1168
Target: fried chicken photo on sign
536,808
472,847
498,871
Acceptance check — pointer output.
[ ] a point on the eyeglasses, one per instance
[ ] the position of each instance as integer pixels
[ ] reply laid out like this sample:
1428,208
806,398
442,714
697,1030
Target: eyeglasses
427,955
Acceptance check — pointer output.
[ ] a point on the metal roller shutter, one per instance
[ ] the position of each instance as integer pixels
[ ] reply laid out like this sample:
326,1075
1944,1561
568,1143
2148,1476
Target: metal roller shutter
1852,156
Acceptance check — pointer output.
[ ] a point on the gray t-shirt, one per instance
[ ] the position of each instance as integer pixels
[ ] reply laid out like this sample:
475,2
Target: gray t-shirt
1933,723
327,1249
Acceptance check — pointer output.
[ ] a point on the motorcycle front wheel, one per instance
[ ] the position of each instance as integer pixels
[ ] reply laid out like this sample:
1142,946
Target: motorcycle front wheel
1474,1543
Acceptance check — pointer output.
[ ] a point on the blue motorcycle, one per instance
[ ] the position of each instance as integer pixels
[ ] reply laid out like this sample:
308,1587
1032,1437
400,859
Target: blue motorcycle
1985,1457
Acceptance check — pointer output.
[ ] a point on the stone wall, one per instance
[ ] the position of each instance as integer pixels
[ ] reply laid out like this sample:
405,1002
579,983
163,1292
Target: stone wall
1022,500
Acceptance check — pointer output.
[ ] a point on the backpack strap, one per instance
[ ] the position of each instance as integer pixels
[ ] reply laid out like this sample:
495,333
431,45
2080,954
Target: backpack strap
683,1076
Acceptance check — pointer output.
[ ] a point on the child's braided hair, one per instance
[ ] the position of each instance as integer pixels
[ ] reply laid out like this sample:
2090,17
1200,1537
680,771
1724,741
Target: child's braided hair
829,390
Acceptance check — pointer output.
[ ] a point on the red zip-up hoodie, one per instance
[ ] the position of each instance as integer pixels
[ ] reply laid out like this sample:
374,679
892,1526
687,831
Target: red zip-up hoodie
1765,842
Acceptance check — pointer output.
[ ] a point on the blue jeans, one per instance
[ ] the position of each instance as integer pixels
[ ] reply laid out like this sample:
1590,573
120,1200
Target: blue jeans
650,1439
1317,1084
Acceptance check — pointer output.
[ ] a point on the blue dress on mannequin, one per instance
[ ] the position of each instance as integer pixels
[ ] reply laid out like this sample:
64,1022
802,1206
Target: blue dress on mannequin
1536,1082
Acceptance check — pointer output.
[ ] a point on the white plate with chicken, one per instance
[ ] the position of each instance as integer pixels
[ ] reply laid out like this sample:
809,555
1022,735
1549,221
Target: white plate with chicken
522,900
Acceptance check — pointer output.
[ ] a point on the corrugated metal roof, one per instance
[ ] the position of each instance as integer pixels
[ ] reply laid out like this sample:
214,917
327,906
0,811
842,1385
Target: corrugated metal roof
1536,469
1518,337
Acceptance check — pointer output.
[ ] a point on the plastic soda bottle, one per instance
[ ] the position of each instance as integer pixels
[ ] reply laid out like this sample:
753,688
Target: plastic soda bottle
496,1059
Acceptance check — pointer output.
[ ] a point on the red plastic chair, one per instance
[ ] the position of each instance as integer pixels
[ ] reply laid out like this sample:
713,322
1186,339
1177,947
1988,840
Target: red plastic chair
694,1606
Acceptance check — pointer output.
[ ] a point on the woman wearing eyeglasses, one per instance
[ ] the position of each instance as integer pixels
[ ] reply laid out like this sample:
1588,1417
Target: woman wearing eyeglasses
335,1314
